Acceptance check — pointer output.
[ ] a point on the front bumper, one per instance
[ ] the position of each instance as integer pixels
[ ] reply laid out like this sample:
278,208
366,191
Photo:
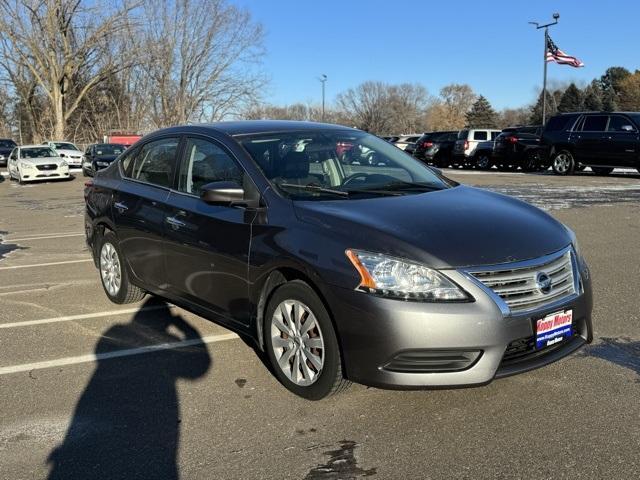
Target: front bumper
469,341
35,174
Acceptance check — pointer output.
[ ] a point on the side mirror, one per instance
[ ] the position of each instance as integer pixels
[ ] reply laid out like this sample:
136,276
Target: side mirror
222,193
627,128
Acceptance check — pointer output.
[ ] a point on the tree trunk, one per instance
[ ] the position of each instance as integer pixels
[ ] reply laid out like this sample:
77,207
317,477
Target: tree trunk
58,115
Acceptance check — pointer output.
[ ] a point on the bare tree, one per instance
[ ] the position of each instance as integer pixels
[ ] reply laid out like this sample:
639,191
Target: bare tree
63,43
202,59
449,112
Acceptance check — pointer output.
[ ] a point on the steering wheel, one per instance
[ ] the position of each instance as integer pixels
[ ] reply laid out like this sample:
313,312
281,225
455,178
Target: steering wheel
367,176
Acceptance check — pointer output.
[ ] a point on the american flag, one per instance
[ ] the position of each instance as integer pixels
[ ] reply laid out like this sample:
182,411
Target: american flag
554,54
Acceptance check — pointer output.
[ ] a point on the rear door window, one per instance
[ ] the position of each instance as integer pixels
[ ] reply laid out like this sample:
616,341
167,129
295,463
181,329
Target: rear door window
494,135
153,163
595,123
480,135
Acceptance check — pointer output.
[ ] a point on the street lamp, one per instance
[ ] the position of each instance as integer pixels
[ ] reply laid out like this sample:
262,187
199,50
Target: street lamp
556,17
323,80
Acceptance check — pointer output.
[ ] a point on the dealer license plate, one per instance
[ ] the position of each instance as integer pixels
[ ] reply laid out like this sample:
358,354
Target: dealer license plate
553,328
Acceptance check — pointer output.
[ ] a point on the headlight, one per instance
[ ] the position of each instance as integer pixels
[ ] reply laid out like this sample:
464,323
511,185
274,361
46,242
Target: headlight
64,163
25,165
393,277
102,164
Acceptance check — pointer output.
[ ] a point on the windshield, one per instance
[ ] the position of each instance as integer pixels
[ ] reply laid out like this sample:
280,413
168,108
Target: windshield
37,152
109,149
339,164
64,146
7,144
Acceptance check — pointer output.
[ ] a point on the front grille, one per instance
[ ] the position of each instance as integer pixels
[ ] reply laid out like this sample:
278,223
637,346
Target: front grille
48,166
519,288
525,348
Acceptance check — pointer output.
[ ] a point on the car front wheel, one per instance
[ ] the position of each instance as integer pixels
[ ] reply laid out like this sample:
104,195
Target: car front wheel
113,272
301,342
563,163
483,161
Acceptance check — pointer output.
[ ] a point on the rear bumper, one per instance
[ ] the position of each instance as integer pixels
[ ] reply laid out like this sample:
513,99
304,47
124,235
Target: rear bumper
396,344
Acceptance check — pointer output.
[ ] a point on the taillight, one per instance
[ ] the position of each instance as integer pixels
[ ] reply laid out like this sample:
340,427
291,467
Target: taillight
427,144
512,139
88,183
466,144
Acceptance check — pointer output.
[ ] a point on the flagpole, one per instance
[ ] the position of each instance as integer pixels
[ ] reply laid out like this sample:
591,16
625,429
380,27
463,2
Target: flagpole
544,79
556,16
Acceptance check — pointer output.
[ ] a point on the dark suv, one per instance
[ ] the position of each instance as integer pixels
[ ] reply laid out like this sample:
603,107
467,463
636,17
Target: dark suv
436,148
518,147
6,147
600,140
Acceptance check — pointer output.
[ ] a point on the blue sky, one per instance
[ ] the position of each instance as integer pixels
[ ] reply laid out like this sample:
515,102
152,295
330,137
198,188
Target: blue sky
488,45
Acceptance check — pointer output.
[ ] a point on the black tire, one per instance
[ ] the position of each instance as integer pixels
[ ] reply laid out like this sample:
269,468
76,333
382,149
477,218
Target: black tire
482,161
127,292
602,170
531,162
84,173
329,380
563,163
442,161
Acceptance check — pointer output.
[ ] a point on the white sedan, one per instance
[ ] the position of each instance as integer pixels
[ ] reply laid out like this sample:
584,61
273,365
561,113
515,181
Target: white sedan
68,151
36,162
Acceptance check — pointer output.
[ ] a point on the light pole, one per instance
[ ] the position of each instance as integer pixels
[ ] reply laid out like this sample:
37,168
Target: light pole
556,17
323,80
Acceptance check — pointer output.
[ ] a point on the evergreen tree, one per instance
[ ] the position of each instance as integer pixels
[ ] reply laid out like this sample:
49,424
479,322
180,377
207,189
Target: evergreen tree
536,110
482,115
609,101
593,97
571,100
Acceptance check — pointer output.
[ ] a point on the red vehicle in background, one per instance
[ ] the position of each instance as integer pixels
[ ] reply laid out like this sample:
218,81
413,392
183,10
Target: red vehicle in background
126,139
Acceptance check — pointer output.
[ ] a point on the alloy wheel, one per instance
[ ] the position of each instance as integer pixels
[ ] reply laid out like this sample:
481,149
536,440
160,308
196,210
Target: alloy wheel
483,162
110,269
297,342
562,163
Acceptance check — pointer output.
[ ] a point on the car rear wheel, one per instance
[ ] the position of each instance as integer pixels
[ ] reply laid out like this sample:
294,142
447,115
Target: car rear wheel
483,161
563,163
602,170
301,342
113,272
532,162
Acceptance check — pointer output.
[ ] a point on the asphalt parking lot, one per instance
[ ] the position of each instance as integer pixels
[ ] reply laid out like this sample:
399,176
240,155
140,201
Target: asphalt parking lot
89,389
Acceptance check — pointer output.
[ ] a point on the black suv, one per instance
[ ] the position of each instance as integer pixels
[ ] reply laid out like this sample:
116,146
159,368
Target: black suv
436,148
518,147
99,156
6,147
600,140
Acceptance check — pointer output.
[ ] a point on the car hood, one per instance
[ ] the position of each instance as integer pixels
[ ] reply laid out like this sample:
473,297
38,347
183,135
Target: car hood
69,153
106,158
42,161
451,228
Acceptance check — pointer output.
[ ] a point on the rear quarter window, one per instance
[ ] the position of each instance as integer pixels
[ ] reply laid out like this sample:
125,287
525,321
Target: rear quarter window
560,122
463,134
480,135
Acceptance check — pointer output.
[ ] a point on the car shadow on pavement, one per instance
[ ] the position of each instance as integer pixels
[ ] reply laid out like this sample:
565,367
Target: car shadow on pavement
127,422
622,351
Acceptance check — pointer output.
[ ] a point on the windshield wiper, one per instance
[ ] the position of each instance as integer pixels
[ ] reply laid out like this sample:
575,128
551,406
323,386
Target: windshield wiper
314,188
396,188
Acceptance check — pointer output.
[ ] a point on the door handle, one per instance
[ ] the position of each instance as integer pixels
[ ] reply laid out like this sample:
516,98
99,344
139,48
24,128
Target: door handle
121,206
174,222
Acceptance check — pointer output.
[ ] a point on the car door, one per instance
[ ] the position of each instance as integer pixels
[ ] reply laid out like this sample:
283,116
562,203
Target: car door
139,209
590,141
208,245
623,139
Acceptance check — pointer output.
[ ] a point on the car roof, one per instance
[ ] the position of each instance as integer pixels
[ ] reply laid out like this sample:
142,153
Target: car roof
33,146
103,144
252,127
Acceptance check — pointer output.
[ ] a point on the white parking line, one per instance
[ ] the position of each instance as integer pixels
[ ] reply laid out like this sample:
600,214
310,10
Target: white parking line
31,235
47,264
44,237
85,316
26,367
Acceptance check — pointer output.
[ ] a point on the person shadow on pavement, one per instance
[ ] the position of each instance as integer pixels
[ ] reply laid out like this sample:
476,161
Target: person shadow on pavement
126,424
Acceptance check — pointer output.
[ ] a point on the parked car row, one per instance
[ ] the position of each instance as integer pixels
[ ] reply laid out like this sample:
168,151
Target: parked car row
54,159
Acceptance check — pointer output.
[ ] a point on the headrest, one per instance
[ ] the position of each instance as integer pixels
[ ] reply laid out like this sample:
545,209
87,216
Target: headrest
294,165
